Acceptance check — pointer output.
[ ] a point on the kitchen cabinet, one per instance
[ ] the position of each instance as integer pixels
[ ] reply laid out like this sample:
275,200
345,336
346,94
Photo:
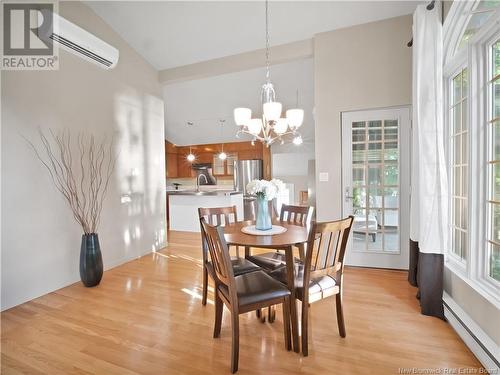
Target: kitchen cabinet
208,154
172,171
184,167
218,166
170,160
224,167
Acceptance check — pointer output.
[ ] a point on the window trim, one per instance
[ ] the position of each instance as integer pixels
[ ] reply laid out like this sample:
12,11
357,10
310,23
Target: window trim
475,57
459,64
483,272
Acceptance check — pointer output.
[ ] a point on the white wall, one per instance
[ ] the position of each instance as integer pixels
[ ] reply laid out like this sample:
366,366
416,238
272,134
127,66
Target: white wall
293,167
360,67
40,240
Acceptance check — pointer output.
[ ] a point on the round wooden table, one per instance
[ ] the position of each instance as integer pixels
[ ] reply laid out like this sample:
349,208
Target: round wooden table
294,235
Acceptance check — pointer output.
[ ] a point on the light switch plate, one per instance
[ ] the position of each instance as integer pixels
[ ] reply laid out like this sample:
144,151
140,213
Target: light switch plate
323,177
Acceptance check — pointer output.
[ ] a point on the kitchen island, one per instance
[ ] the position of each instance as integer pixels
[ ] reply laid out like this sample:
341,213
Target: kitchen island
184,204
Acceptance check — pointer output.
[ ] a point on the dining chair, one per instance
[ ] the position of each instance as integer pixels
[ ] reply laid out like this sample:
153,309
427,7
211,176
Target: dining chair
297,215
320,275
242,293
220,216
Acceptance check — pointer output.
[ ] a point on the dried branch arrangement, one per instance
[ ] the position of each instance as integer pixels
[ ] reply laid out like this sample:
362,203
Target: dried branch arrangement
80,169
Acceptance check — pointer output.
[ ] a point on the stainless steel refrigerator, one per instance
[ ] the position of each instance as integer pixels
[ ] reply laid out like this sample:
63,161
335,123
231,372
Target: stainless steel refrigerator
244,172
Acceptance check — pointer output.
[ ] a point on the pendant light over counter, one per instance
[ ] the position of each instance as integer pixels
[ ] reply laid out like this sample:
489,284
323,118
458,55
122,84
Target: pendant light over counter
222,154
190,157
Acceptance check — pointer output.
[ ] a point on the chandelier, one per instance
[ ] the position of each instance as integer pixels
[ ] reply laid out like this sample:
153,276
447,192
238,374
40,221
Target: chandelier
271,127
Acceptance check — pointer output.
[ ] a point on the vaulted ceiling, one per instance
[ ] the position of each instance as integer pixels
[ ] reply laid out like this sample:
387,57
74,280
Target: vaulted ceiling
175,33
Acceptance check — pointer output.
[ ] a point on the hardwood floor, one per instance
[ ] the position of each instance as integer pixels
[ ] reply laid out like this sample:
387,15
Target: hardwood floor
146,317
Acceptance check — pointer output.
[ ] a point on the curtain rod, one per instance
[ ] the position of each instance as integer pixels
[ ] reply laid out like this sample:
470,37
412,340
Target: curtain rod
429,6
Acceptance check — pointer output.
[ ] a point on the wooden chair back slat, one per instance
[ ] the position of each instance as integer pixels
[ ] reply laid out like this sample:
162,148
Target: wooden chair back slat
213,216
297,215
326,248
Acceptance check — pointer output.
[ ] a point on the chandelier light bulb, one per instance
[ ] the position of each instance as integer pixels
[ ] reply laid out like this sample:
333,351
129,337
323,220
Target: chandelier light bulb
272,111
280,126
255,126
242,116
222,156
295,117
297,140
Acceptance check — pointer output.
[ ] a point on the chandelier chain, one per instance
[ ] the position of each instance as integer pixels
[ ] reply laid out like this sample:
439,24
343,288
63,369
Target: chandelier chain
267,42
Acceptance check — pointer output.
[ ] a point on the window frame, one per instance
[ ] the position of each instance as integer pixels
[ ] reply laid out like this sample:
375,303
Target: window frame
457,66
475,56
483,273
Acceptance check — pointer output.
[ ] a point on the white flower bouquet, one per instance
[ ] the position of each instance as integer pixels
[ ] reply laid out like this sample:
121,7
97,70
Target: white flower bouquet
264,189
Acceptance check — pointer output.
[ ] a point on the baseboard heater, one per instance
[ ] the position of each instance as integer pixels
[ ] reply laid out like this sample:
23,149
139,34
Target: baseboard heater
481,345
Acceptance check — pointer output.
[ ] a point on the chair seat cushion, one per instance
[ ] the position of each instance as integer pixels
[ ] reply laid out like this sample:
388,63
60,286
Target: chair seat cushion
240,266
269,261
256,287
319,287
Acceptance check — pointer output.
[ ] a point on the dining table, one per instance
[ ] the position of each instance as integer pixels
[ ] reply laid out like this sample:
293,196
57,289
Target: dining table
285,241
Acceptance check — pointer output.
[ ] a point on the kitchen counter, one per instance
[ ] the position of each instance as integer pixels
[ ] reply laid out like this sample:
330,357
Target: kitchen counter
184,204
203,192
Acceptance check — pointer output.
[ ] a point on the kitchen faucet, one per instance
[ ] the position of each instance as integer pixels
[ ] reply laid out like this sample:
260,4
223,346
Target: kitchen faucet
198,181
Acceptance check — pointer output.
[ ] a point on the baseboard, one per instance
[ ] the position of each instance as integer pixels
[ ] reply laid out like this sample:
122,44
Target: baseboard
481,345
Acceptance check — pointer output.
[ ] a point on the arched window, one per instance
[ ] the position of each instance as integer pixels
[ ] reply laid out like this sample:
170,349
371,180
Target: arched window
472,95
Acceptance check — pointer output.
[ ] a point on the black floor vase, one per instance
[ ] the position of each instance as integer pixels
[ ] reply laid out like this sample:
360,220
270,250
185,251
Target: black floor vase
90,260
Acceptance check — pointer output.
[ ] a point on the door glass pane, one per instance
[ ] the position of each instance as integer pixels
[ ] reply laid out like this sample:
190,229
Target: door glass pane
374,154
375,134
374,175
358,176
359,198
376,186
358,153
391,151
358,135
391,196
391,172
375,198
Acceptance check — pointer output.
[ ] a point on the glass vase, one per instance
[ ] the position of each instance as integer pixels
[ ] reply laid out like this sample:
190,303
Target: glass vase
263,219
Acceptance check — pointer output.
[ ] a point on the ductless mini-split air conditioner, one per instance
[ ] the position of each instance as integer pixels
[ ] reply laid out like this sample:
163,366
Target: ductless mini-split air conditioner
80,42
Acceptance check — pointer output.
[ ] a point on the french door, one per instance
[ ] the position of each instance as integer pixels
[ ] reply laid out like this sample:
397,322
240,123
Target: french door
376,186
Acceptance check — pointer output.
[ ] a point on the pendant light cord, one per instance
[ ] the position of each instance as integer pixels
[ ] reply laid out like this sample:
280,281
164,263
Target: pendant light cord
267,42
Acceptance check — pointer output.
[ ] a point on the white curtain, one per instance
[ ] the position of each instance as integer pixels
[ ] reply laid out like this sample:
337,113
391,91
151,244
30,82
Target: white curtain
429,194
